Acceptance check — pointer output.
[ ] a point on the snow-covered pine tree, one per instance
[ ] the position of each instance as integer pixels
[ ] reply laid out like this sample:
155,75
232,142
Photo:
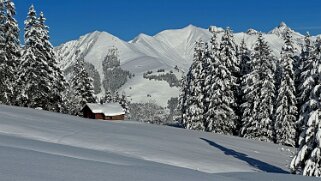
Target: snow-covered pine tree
244,56
4,83
246,81
12,48
306,65
207,63
68,96
211,56
82,86
248,96
124,103
278,71
307,77
298,66
194,113
108,98
228,53
286,103
308,158
35,76
182,100
58,85
260,93
244,59
220,86
116,97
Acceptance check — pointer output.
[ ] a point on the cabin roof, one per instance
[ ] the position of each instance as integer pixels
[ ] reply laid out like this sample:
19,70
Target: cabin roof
108,109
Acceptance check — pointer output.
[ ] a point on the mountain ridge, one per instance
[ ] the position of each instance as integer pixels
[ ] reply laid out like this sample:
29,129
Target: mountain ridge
171,50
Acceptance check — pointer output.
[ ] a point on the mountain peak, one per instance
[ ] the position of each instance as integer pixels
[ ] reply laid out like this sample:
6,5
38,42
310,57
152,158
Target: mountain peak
282,25
190,26
281,29
140,37
252,31
97,35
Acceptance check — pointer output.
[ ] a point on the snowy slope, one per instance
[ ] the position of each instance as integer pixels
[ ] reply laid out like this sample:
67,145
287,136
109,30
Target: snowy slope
38,145
165,50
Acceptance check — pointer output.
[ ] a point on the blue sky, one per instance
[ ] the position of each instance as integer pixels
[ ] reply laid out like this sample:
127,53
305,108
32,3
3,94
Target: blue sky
69,19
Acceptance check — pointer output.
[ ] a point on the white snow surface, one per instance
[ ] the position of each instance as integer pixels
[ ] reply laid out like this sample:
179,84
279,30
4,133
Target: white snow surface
108,109
38,145
165,50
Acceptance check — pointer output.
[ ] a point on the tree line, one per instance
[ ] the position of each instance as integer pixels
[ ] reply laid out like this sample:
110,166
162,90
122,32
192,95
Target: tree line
232,90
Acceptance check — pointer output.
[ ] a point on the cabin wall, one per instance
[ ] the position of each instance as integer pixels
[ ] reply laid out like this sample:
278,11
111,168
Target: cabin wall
88,114
99,116
118,117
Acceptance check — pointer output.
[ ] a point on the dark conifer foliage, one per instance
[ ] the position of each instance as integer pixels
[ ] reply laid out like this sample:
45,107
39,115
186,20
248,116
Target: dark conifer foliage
286,102
82,86
9,50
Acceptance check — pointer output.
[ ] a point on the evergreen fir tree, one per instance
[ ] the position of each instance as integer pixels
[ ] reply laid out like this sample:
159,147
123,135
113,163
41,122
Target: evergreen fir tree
182,103
12,48
260,94
194,115
55,99
244,56
307,77
82,86
108,98
71,104
228,53
4,80
308,158
211,56
220,86
249,92
124,103
246,81
286,110
35,76
116,97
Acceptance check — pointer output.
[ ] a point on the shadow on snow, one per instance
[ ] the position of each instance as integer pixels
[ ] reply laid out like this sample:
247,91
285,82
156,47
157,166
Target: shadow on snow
251,161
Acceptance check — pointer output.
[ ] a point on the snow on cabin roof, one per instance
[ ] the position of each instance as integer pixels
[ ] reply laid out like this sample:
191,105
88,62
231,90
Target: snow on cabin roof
108,109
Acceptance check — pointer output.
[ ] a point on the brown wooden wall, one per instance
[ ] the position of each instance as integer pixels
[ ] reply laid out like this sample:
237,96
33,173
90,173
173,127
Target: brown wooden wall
87,113
118,117
99,116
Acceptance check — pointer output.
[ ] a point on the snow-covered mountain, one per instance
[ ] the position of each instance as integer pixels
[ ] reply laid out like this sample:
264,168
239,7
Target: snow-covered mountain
166,50
39,145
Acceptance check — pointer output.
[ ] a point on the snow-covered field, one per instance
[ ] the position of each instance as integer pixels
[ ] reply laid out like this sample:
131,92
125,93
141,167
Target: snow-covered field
38,145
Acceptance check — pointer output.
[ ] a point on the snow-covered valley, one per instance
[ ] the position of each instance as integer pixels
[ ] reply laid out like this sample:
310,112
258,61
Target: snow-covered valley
39,145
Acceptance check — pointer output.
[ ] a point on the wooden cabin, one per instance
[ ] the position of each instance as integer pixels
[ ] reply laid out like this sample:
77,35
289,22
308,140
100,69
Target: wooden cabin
108,111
